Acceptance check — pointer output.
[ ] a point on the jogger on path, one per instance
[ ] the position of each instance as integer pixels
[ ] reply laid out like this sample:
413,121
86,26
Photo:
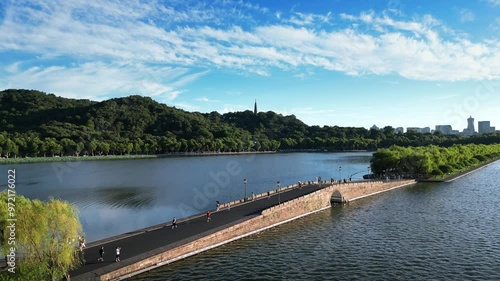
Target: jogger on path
101,254
117,258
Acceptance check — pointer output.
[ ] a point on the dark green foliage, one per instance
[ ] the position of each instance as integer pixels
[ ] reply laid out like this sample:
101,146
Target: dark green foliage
34,123
431,160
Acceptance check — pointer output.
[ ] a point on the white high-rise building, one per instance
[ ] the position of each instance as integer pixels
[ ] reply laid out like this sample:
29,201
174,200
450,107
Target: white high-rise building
470,130
470,124
484,127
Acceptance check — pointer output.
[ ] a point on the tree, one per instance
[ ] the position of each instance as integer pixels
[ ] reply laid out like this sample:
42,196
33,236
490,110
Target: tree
46,235
10,148
138,145
69,146
91,147
129,147
152,127
52,147
34,146
103,147
21,144
431,160
79,147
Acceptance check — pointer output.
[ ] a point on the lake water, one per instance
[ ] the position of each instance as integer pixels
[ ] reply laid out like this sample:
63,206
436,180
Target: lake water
432,231
118,196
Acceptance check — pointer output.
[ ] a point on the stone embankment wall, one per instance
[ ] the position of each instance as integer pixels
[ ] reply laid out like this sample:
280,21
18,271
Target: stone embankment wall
271,217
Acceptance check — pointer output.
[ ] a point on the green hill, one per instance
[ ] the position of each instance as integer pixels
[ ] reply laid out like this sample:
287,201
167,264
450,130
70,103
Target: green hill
33,123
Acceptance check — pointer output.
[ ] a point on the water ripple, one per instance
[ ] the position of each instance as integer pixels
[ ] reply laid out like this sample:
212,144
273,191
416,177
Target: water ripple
424,232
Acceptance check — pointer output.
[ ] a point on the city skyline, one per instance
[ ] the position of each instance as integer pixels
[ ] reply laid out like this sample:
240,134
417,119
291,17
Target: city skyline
483,126
357,63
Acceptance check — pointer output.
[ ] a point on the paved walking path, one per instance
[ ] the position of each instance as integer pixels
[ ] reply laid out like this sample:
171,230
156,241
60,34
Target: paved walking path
143,241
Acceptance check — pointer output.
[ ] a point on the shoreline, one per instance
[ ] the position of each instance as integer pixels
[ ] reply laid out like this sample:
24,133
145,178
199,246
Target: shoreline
30,160
459,175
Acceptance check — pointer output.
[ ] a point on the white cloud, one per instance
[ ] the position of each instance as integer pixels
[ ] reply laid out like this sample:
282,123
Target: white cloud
170,42
494,3
186,106
495,26
205,99
235,107
99,80
303,19
301,75
13,68
467,15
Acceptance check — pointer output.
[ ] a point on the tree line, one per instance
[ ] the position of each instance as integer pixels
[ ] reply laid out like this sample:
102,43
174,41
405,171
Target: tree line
430,160
34,124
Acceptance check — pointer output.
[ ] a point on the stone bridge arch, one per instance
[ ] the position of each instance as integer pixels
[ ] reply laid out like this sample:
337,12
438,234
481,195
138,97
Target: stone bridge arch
337,197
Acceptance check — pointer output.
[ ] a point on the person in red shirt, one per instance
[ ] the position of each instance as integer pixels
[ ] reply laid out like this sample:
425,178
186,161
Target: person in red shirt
208,216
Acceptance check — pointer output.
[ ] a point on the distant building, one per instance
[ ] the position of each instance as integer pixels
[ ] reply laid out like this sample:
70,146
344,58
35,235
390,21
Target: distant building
484,127
419,130
470,130
399,130
445,129
470,124
375,127
255,107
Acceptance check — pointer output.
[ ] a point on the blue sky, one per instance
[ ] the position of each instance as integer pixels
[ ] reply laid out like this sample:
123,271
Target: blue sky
347,63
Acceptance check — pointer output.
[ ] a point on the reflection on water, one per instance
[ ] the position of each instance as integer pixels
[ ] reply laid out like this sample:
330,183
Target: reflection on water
421,232
114,197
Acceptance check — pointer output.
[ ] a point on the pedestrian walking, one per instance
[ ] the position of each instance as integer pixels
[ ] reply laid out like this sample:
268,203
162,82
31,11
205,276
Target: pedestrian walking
268,195
174,223
101,254
208,216
218,205
228,206
253,196
117,258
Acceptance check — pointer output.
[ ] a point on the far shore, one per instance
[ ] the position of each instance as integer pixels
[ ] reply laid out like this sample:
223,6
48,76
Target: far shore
27,160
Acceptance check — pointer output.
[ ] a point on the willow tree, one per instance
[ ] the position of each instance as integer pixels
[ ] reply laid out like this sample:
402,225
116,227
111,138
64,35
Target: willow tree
45,237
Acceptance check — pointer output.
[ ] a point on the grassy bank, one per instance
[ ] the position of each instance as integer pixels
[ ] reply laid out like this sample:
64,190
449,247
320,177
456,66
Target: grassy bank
28,160
4,161
458,174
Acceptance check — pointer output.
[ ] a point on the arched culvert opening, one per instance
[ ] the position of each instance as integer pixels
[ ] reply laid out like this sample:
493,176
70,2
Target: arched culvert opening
337,197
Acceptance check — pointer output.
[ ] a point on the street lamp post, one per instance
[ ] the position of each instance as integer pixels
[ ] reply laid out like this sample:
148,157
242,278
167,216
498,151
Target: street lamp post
340,172
369,176
245,184
279,193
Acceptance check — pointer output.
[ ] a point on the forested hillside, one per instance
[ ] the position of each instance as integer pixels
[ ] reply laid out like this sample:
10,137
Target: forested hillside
33,123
